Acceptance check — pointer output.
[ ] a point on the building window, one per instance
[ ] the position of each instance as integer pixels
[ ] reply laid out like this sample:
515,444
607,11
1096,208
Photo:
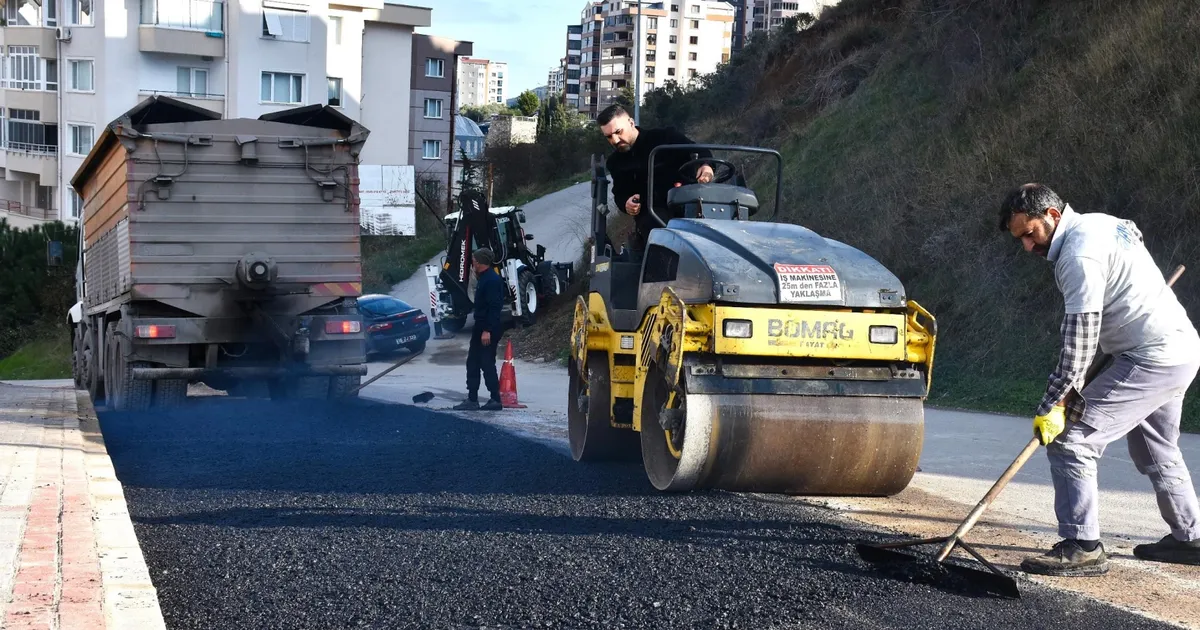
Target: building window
279,87
674,39
692,56
674,8
671,55
80,13
435,67
24,131
432,189
670,72
82,75
23,68
695,9
693,40
335,27
695,24
432,150
652,23
30,13
191,81
674,23
76,203
43,197
433,108
335,91
81,139
284,23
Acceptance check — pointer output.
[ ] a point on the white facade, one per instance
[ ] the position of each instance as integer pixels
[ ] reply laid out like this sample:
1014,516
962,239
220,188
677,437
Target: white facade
482,82
241,58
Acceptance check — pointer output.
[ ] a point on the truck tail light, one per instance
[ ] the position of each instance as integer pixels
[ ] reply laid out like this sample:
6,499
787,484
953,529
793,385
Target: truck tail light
342,327
154,331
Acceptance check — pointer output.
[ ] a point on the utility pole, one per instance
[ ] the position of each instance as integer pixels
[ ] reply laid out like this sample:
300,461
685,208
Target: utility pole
637,67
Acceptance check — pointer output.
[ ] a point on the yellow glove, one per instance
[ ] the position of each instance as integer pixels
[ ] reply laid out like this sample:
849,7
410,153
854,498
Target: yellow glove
1047,427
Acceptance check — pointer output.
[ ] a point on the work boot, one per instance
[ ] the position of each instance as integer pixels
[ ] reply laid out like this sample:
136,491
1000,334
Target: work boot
1068,559
492,405
1170,549
470,404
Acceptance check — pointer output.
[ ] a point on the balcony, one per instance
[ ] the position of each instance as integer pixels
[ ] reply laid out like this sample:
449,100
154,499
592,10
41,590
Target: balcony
35,159
211,102
182,27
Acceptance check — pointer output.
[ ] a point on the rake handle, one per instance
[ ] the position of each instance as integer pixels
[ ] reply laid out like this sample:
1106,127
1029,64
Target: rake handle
1012,469
987,499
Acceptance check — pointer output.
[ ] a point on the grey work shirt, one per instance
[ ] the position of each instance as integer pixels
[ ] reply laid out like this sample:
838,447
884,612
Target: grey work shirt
1101,265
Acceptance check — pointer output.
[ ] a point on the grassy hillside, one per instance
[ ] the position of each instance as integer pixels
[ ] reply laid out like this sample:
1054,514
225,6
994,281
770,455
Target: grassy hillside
48,357
903,123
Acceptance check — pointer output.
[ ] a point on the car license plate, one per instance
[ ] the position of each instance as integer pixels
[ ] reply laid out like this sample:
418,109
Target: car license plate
403,340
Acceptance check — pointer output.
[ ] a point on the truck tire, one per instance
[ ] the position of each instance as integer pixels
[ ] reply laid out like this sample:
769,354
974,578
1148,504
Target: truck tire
77,373
170,392
123,392
528,294
341,386
93,376
453,325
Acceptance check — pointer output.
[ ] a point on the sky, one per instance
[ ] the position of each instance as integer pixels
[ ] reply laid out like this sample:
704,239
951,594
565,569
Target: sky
531,35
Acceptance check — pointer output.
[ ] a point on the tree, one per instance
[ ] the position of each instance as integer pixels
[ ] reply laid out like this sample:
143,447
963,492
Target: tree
626,98
528,103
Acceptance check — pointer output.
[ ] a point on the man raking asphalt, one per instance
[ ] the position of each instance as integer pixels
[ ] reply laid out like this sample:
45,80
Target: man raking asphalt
1117,302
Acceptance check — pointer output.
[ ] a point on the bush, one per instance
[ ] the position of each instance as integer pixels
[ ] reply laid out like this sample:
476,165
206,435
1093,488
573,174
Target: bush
35,296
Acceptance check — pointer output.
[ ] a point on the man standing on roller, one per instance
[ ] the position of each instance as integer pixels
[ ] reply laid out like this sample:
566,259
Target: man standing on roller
1118,302
629,163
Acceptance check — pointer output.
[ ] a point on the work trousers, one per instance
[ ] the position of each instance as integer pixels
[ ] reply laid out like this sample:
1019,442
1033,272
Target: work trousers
481,358
1143,404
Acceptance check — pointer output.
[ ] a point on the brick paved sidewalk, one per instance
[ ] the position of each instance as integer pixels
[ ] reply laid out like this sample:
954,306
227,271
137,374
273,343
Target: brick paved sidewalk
69,558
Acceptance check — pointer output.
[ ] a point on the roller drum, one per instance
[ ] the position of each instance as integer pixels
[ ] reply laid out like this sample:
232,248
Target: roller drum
788,444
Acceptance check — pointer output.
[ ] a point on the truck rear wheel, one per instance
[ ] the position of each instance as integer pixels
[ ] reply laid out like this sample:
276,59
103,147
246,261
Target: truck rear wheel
123,392
341,386
170,392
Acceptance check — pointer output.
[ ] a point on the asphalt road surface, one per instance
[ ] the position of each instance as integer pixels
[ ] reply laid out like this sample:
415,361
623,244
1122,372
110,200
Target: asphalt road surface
254,514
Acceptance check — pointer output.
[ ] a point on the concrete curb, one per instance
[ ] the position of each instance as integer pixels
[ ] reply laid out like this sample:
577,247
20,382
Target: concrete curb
130,599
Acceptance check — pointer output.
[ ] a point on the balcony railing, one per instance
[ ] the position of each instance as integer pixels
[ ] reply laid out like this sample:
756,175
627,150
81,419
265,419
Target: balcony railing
181,94
16,207
192,15
26,147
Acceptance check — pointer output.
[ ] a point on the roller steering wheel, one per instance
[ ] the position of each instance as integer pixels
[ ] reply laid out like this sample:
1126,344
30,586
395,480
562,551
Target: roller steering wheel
723,171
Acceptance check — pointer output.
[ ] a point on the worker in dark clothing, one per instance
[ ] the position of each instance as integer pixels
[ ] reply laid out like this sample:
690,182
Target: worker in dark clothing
485,336
629,167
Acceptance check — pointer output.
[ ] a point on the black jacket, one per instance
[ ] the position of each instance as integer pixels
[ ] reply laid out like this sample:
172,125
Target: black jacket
489,302
630,174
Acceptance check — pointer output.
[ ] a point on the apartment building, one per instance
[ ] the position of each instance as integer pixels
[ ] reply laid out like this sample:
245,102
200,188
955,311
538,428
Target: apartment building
71,66
435,63
555,79
482,82
766,15
674,41
571,64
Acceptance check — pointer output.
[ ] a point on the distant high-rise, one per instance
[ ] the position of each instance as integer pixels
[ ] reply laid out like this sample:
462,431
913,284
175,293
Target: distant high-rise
680,41
481,82
767,15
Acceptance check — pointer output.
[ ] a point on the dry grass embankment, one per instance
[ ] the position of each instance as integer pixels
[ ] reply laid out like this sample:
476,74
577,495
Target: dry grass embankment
904,122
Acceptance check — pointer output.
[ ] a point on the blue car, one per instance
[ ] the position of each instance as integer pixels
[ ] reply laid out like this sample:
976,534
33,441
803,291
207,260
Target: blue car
392,324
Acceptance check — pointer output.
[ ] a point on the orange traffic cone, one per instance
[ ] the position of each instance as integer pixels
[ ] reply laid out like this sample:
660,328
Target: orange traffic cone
508,381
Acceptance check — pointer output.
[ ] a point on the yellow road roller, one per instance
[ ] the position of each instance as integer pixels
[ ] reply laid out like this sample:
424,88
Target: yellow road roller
745,355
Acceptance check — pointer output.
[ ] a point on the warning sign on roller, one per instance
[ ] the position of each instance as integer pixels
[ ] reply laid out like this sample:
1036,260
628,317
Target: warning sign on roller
808,283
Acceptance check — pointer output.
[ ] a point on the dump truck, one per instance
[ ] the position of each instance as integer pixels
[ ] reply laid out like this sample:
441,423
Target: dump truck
745,355
219,251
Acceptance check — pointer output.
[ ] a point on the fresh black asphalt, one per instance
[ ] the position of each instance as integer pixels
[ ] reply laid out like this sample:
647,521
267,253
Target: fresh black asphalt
253,514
